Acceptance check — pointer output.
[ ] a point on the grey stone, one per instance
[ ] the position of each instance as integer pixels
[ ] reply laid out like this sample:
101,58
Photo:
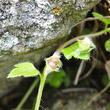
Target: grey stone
28,27
78,101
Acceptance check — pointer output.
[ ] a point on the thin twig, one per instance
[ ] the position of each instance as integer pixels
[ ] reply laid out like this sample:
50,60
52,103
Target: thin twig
96,63
92,18
96,96
107,67
78,90
101,52
80,37
24,99
79,72
100,64
95,28
108,2
90,71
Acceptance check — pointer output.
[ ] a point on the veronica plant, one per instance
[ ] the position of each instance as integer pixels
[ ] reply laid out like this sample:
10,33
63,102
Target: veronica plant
80,48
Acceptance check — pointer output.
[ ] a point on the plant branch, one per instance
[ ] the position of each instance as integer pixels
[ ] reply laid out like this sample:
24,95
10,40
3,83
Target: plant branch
40,91
27,94
80,37
82,64
96,96
92,18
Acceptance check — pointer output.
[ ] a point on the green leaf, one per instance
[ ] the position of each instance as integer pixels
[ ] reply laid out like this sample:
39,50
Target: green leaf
70,51
107,45
67,81
106,21
105,79
107,106
55,79
81,49
84,56
86,31
25,69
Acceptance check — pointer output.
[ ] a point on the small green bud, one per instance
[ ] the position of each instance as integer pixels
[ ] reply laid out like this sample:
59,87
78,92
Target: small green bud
107,45
85,44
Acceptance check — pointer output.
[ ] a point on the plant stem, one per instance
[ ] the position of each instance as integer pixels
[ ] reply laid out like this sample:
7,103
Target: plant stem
80,37
91,19
40,91
96,96
27,94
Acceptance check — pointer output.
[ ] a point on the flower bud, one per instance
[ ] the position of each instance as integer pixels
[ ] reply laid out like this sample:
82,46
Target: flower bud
85,44
53,63
55,60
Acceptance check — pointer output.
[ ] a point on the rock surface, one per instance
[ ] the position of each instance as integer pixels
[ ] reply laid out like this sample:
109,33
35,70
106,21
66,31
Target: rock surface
26,26
78,101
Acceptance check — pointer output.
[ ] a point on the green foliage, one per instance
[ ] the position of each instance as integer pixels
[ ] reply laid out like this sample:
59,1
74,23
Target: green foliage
55,79
81,49
25,69
107,45
107,106
67,81
73,51
106,21
86,31
105,79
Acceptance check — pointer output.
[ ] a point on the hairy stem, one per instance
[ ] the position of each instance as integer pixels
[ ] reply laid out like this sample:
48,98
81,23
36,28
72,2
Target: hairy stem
80,37
40,91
